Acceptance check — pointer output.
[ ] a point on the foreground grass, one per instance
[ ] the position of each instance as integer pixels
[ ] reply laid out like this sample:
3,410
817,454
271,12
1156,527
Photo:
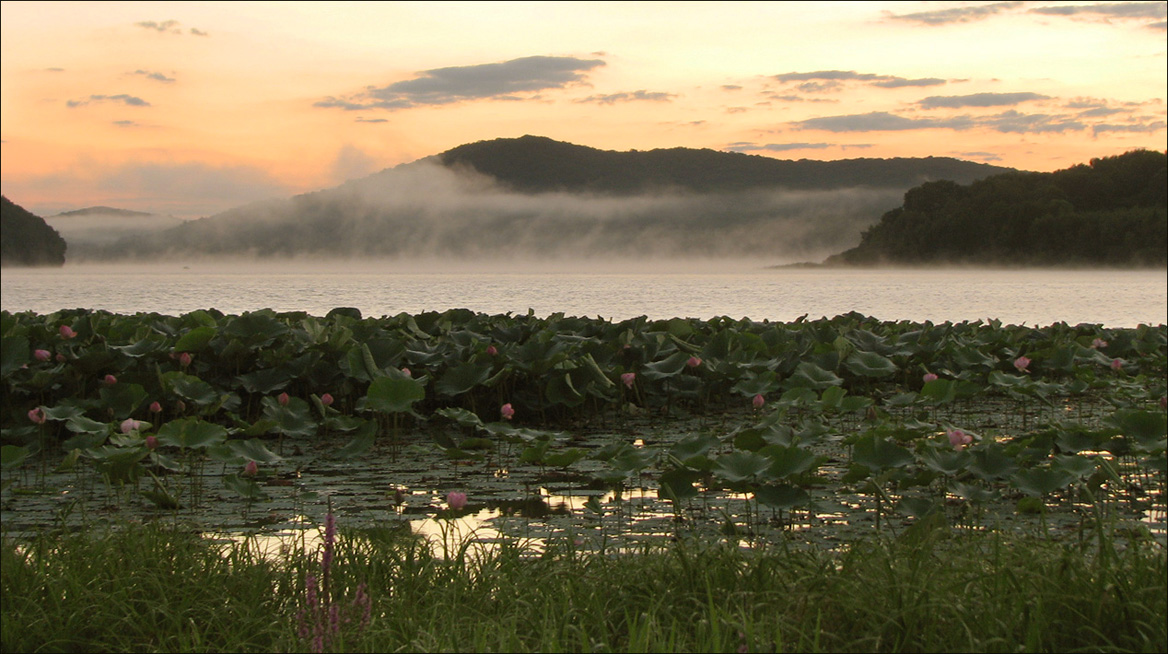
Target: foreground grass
157,589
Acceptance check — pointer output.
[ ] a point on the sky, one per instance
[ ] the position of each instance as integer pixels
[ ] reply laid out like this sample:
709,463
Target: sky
192,108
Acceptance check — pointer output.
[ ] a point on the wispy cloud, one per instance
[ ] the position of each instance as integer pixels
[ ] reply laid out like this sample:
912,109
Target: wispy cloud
775,147
830,80
979,100
498,81
958,14
635,96
1108,11
881,121
372,120
157,77
163,26
168,27
1007,122
121,97
126,123
1139,128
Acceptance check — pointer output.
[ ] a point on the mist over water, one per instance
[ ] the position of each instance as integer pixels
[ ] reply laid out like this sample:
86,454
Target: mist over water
424,210
614,290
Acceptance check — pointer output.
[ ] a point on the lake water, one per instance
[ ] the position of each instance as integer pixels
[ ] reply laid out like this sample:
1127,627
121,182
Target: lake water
1031,297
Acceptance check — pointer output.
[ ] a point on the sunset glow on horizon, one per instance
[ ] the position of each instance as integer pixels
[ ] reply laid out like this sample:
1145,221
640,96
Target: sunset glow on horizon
190,109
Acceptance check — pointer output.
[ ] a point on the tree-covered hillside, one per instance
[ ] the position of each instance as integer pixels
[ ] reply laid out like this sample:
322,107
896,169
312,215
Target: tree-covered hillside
26,240
1111,212
536,164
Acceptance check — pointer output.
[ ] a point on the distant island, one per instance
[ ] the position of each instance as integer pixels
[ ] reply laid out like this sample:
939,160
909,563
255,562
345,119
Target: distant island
1110,212
26,240
533,197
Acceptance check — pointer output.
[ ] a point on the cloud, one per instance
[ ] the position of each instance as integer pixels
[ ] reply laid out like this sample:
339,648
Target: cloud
121,97
898,82
1144,128
164,26
881,121
1106,11
830,80
1009,122
979,100
983,156
731,87
168,27
441,86
1012,122
55,70
958,14
613,98
126,123
158,77
775,147
372,120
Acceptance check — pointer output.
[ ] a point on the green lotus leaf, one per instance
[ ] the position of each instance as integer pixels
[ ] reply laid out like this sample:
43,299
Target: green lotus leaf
463,378
808,375
737,467
195,340
789,461
677,485
191,433
1038,482
869,364
14,354
123,399
190,388
394,394
781,496
878,454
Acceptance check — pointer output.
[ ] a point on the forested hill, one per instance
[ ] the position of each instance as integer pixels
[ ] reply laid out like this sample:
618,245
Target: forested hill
1111,212
534,164
26,240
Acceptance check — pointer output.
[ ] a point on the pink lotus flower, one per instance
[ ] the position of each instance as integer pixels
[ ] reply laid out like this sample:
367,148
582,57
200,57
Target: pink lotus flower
959,439
628,378
283,399
507,411
693,362
1117,364
42,355
326,399
251,469
129,425
407,373
61,358
67,332
1098,343
155,407
38,416
455,500
151,442
758,401
184,359
109,380
491,350
1021,363
929,377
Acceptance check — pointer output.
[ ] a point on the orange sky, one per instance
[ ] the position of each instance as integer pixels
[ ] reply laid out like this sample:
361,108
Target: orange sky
194,108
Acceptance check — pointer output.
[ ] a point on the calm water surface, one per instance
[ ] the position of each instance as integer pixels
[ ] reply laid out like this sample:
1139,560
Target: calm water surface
1032,297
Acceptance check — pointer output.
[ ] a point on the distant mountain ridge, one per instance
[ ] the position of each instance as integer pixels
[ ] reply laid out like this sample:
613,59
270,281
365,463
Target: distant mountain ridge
536,164
533,197
104,211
